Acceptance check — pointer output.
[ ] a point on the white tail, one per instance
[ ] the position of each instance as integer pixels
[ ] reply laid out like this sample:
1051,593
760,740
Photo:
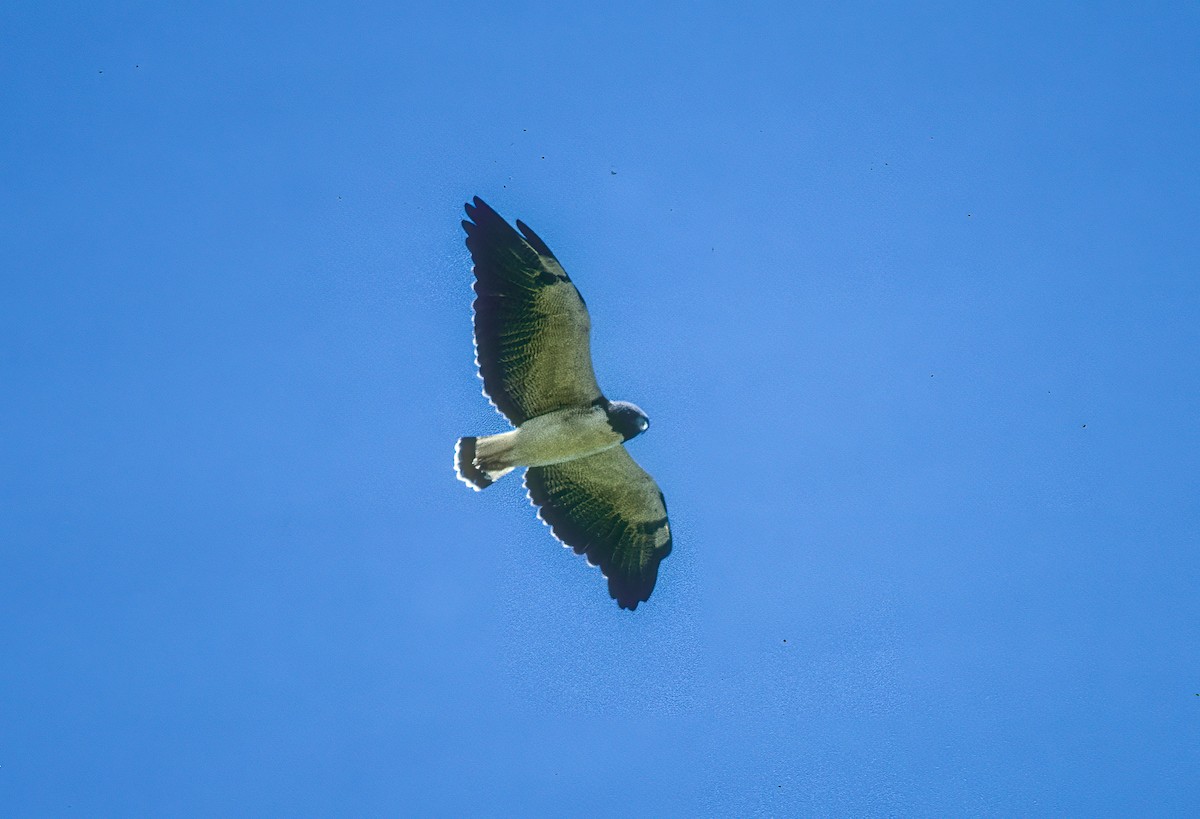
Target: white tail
480,462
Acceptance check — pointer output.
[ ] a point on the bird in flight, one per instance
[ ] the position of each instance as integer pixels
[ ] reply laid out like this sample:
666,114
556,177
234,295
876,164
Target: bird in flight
534,356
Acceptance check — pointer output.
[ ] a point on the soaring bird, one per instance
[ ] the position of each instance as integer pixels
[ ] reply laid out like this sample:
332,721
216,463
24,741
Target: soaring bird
533,352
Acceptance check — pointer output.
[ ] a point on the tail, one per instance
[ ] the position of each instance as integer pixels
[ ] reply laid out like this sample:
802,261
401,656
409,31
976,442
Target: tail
480,462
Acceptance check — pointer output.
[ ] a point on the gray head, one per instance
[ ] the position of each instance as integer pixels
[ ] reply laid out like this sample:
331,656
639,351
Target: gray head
626,419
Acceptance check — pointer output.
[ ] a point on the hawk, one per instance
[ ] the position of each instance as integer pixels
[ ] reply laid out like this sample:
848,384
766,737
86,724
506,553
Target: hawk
534,356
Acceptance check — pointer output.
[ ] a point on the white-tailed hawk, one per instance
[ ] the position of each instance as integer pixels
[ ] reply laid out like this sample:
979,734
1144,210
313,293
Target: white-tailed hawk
533,354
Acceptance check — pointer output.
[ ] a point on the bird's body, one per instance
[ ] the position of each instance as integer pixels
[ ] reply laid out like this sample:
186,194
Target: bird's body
562,435
533,352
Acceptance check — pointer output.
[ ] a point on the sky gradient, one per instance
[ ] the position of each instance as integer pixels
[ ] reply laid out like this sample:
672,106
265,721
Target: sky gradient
911,297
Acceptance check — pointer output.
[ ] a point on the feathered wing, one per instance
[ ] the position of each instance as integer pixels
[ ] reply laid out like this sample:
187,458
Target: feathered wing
531,325
608,508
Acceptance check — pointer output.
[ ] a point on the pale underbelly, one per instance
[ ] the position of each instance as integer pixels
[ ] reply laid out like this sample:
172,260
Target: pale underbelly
563,436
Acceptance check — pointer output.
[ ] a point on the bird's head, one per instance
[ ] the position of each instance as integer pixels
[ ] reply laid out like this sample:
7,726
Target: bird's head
626,419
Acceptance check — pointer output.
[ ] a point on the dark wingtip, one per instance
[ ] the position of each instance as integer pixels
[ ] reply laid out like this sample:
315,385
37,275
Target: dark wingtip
477,206
471,207
630,593
631,603
534,240
484,216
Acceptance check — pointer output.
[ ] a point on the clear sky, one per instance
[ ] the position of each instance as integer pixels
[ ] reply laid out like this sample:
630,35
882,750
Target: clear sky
910,292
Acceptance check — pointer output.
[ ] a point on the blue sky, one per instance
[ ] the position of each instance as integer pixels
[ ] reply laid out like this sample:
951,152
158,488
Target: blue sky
910,293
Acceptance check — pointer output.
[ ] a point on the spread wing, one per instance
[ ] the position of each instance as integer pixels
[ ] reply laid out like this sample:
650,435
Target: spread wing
531,325
607,507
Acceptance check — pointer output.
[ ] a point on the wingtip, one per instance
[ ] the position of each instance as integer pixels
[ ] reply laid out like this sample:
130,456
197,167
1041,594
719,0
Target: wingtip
629,599
477,204
534,240
484,215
